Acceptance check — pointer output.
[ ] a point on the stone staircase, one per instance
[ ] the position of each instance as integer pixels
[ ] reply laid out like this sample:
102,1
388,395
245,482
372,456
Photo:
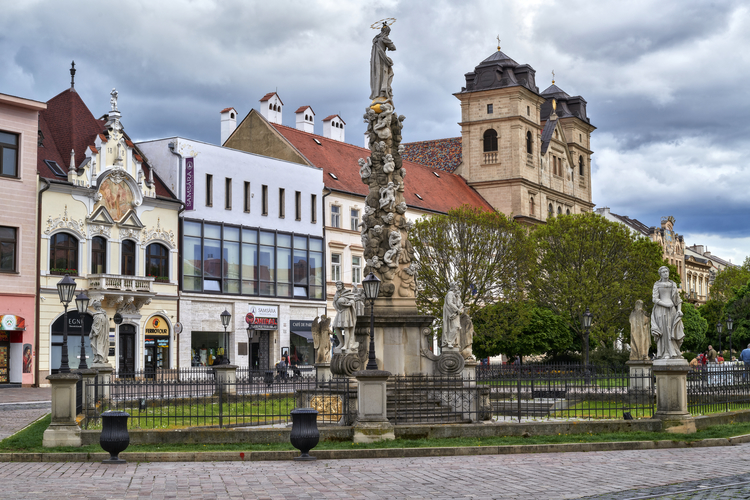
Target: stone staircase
421,403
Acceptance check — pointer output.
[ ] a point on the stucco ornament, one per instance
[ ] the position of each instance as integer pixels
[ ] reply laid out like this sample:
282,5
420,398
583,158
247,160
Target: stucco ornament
96,230
158,233
133,234
65,222
344,302
666,317
99,335
452,310
639,333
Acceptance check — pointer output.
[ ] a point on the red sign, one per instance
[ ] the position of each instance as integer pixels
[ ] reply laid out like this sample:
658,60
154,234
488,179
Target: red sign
261,323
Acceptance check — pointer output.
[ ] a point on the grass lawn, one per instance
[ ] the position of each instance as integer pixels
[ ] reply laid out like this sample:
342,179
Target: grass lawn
30,441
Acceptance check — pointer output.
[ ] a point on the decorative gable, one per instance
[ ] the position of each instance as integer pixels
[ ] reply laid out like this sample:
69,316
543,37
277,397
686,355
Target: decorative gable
100,216
131,220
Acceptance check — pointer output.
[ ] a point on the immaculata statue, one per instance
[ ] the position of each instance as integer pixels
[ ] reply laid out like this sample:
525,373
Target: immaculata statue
381,66
99,336
666,317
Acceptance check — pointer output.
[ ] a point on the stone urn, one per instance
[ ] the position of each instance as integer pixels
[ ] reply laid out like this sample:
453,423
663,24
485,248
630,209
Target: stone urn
114,438
305,435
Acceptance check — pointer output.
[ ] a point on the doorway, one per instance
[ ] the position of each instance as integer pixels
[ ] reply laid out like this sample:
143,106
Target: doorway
127,351
255,356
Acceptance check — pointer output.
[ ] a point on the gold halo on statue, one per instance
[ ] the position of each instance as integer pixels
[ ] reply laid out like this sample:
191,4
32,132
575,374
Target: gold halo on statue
375,105
379,24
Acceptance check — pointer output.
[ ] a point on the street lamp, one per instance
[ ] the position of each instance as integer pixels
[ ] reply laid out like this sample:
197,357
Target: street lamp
586,323
250,335
371,285
66,287
729,329
82,303
225,319
718,329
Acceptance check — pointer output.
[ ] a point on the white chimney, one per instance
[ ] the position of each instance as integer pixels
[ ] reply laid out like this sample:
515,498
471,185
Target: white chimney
333,128
270,107
228,123
305,119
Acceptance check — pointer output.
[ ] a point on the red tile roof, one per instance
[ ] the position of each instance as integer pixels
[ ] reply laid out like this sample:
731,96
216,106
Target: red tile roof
442,154
67,124
228,109
270,95
332,117
302,108
439,194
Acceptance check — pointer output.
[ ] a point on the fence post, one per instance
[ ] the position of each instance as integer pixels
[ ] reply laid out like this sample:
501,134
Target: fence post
63,430
372,423
519,392
227,376
671,395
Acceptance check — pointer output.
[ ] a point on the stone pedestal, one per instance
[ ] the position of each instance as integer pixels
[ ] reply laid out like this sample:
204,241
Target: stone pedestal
398,340
63,430
372,416
227,374
88,376
105,377
640,374
671,395
322,372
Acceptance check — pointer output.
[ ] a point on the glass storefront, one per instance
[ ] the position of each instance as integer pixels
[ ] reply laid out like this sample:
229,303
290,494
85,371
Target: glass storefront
206,348
302,350
74,340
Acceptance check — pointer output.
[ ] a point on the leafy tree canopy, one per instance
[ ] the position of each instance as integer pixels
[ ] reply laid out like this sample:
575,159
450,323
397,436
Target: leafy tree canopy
728,280
738,307
486,253
585,260
713,312
695,329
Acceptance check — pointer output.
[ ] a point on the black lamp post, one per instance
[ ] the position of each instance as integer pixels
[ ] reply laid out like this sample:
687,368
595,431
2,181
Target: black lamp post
82,304
729,329
371,284
225,319
718,329
66,287
586,323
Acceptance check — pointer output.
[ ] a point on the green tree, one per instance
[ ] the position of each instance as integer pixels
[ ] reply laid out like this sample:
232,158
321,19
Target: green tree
738,307
486,253
728,280
713,312
695,329
587,261
518,327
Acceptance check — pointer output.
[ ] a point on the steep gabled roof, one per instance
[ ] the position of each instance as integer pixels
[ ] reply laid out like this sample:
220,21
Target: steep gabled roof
633,223
270,95
302,108
424,190
331,117
441,154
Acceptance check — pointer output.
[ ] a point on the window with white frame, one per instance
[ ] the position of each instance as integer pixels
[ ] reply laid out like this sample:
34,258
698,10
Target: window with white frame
355,219
356,269
336,267
335,216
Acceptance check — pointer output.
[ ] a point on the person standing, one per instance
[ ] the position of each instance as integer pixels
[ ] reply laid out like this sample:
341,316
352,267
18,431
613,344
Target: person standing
745,355
711,355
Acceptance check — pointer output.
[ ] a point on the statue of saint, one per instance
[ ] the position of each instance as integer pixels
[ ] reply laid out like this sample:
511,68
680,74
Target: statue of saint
113,100
666,318
467,337
346,319
322,339
381,66
99,336
452,310
639,337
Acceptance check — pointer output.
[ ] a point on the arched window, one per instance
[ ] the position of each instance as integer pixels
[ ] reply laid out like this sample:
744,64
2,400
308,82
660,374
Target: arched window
531,205
63,253
490,140
98,255
529,143
550,210
567,212
559,211
580,166
128,258
157,260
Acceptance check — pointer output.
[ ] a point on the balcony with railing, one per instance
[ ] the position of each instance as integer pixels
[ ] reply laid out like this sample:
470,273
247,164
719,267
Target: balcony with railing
490,158
118,283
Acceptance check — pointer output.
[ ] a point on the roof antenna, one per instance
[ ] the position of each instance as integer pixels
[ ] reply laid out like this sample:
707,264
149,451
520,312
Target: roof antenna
498,43
72,75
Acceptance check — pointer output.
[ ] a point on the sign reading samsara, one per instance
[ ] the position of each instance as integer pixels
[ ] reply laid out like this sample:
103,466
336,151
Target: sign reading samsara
263,317
157,326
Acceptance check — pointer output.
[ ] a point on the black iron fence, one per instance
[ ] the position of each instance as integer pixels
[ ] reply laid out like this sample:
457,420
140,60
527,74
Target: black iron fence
164,403
567,391
717,388
437,400
208,372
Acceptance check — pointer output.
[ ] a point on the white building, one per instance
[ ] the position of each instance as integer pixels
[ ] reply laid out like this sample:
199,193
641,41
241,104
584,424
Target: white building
251,242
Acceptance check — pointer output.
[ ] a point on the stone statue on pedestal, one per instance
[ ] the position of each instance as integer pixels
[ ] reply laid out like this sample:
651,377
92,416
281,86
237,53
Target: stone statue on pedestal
452,310
99,335
322,339
346,319
639,333
381,66
666,317
467,337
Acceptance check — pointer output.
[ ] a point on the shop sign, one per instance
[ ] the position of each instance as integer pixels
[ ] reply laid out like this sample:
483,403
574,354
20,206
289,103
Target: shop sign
74,323
189,183
157,325
10,322
4,337
261,317
301,325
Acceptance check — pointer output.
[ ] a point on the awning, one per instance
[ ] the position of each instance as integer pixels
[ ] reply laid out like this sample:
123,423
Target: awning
306,335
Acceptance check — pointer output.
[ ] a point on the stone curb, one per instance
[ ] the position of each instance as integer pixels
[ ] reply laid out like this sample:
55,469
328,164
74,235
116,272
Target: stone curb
255,456
30,405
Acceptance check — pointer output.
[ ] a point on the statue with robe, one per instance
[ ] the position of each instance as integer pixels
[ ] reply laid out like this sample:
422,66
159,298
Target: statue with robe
346,319
322,339
452,310
666,317
99,335
640,339
381,66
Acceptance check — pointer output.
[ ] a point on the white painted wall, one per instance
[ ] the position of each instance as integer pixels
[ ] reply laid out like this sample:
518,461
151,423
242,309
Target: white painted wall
267,109
305,120
334,128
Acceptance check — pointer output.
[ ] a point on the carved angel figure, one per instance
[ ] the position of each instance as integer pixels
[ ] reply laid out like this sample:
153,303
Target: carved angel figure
388,196
388,164
394,242
322,339
401,207
365,171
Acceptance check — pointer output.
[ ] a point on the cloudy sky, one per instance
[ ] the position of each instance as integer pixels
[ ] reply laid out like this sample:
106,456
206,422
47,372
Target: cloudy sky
662,78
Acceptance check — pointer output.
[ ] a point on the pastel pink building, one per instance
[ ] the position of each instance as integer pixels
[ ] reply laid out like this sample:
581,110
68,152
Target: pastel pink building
19,136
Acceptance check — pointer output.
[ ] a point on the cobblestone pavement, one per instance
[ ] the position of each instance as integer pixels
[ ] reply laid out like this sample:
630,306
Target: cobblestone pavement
25,395
718,488
13,420
530,476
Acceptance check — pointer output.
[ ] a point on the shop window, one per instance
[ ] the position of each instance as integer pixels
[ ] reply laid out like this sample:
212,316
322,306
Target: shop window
157,261
490,140
8,243
335,267
98,255
335,216
355,219
127,267
8,154
63,254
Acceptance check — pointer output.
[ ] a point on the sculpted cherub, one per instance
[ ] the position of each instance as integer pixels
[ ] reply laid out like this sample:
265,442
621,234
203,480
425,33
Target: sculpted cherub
388,196
365,169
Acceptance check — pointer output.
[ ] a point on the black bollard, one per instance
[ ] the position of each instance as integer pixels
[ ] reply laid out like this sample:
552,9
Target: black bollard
305,435
114,438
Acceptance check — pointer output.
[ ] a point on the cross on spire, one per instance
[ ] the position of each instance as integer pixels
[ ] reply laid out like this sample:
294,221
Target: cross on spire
498,42
553,77
72,74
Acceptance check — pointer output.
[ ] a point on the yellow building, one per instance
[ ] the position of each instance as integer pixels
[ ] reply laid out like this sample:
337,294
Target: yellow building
109,222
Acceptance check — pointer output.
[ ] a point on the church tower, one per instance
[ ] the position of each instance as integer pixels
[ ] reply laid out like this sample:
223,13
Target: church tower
527,153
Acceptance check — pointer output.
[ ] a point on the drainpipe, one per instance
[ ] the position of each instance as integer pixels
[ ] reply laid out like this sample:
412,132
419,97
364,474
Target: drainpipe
179,239
38,275
325,278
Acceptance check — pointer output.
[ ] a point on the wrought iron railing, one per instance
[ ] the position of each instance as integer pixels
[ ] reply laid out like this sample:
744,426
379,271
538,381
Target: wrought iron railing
717,387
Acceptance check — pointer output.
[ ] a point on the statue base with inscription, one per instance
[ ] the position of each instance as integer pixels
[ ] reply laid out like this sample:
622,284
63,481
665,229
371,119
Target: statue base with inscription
640,374
671,395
